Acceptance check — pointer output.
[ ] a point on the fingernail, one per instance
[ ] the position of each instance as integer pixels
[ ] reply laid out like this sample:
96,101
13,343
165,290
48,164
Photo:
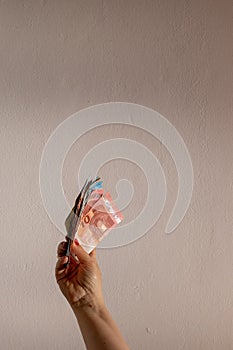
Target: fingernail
76,241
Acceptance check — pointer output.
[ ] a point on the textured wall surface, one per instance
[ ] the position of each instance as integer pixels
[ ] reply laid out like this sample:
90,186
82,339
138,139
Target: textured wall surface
57,57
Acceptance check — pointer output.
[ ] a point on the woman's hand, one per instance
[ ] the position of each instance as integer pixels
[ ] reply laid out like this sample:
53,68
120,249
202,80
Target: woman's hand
80,282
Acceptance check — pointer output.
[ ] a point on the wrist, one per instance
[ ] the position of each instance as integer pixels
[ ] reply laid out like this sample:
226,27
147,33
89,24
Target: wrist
88,303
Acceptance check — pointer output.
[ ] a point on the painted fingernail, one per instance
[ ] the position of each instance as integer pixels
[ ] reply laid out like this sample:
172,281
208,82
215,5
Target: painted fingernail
76,241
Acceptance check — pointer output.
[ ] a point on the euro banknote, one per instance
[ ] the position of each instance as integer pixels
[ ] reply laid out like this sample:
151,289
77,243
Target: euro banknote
93,216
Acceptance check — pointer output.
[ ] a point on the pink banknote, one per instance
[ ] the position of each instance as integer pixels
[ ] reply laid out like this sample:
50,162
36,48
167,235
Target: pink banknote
98,218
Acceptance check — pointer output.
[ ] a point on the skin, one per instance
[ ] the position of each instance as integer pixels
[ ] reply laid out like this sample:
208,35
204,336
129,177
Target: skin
81,284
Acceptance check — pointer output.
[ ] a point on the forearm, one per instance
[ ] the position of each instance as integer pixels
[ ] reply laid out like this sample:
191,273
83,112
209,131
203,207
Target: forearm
99,330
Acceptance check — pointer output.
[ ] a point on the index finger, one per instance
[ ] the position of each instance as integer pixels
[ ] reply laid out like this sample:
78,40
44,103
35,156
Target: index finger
61,248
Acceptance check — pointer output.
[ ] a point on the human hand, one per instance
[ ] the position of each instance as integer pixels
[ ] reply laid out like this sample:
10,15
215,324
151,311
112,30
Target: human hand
80,281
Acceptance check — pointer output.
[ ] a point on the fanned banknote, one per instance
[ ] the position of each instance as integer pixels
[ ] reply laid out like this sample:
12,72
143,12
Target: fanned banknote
92,217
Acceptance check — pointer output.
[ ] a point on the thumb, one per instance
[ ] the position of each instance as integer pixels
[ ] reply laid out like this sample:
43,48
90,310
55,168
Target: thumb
81,254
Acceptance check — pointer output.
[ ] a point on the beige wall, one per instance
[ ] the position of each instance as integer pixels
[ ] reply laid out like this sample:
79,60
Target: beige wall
57,57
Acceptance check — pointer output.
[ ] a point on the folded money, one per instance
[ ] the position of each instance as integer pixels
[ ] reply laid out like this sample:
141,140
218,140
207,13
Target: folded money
93,216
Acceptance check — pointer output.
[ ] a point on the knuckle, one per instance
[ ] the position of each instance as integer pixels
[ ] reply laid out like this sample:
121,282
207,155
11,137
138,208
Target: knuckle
58,247
61,247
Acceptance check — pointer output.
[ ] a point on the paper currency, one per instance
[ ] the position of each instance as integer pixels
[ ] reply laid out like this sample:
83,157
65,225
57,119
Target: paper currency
98,219
92,217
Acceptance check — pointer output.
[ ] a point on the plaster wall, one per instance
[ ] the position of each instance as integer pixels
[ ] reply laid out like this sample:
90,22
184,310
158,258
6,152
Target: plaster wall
57,57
